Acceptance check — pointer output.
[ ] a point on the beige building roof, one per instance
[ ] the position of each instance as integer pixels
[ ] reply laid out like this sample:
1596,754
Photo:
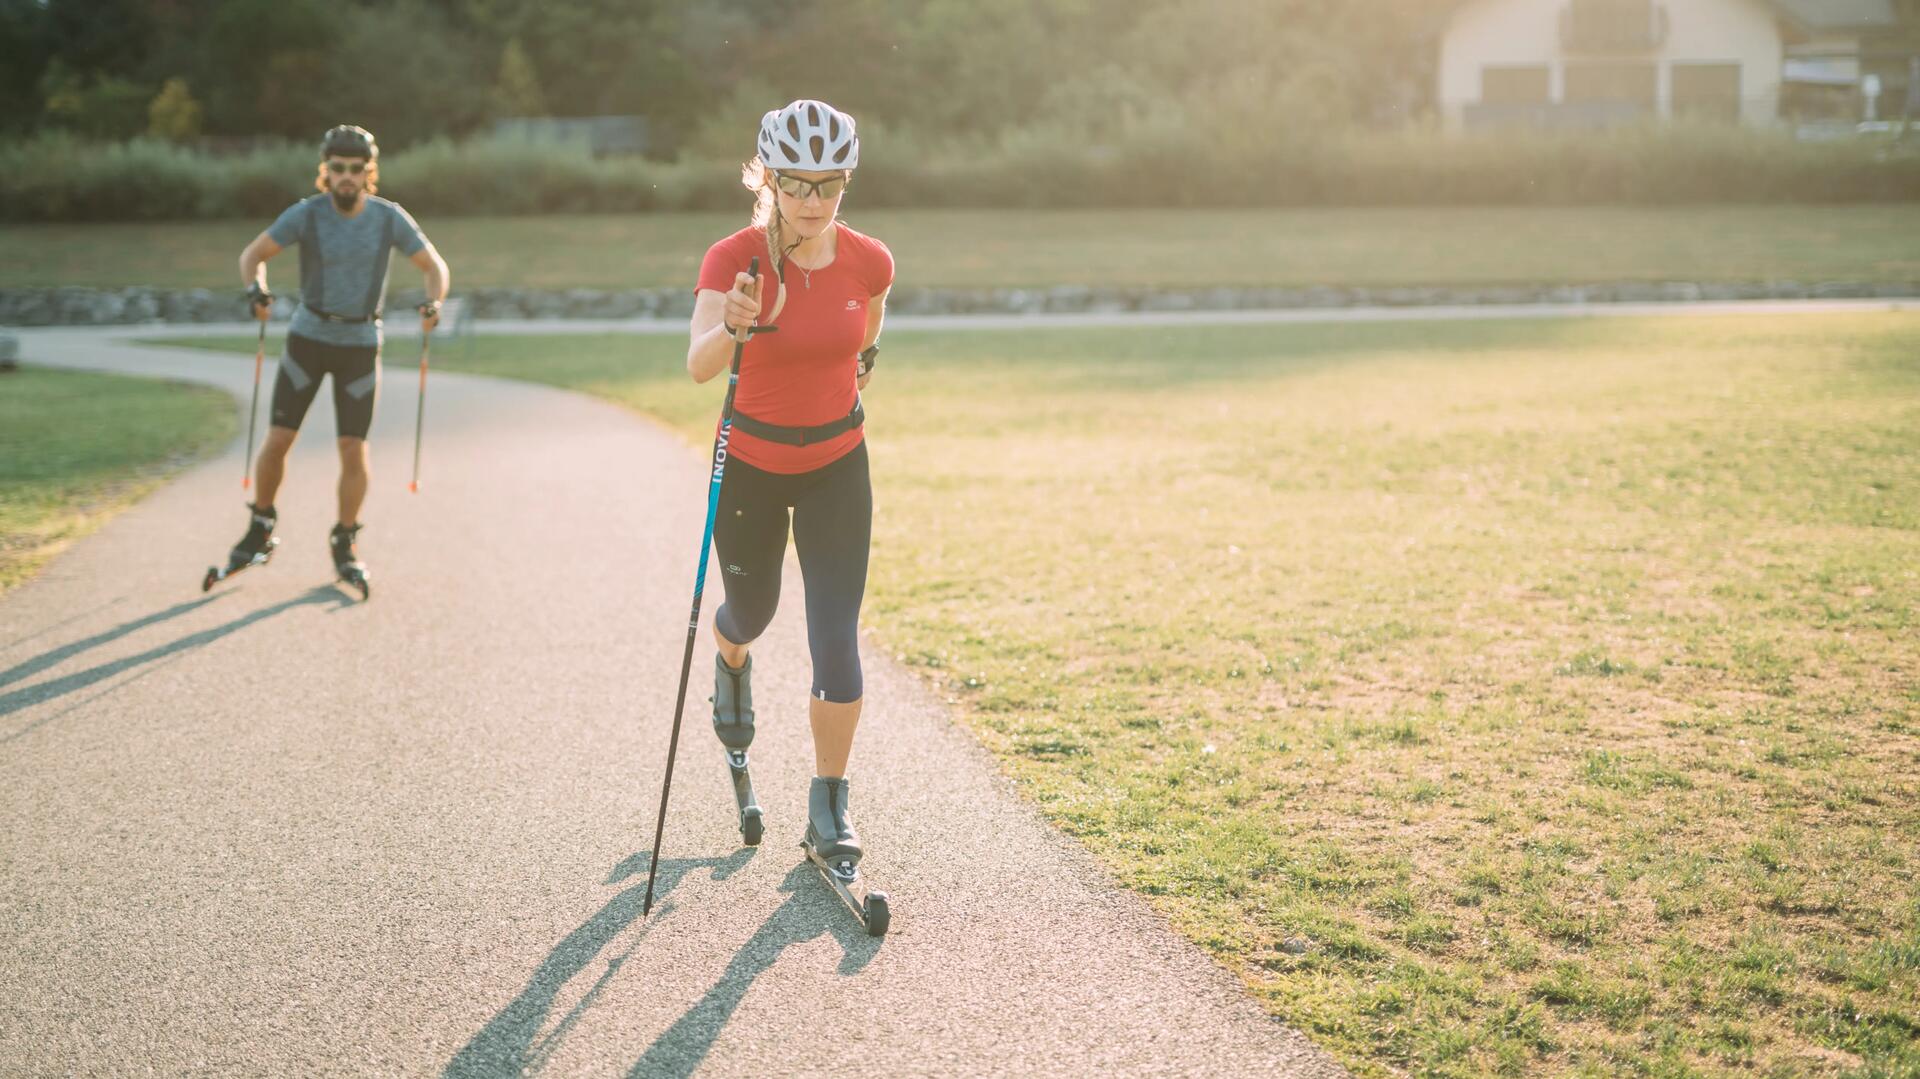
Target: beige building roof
1837,14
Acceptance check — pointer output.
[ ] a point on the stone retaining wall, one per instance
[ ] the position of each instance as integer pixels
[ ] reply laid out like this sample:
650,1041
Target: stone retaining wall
76,306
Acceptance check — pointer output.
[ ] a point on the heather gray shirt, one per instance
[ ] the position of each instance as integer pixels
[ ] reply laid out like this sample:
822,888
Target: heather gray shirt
343,263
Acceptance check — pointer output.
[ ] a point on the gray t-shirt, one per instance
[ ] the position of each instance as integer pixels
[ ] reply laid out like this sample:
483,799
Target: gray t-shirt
343,263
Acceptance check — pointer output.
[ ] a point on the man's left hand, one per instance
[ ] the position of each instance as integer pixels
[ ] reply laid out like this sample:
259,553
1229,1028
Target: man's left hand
429,316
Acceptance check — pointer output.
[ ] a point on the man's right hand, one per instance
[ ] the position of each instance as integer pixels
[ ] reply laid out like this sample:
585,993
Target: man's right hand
743,304
261,301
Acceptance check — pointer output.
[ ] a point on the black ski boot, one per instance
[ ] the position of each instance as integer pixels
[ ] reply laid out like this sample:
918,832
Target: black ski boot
733,722
834,849
829,833
254,549
346,563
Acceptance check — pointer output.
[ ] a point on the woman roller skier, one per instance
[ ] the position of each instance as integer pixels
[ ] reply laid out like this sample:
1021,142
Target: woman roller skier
797,455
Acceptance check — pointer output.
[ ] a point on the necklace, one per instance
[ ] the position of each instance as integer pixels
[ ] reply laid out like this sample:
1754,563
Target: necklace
806,277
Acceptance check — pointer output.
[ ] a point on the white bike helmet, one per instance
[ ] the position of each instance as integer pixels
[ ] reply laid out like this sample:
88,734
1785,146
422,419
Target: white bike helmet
809,135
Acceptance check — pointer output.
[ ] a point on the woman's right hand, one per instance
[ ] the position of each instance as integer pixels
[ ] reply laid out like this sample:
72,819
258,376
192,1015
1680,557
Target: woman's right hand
743,304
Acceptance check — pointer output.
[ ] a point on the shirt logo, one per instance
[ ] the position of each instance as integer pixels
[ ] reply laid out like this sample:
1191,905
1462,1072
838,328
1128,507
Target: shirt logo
853,305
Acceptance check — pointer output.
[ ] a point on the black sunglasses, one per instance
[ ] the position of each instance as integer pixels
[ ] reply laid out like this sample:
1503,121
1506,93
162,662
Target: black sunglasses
338,167
800,189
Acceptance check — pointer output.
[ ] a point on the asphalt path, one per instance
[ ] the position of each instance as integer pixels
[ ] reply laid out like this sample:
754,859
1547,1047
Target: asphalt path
273,830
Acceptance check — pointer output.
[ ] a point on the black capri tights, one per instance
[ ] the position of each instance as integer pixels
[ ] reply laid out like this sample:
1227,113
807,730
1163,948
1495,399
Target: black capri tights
832,523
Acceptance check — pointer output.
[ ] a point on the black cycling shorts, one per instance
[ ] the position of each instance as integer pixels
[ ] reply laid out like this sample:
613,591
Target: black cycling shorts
356,382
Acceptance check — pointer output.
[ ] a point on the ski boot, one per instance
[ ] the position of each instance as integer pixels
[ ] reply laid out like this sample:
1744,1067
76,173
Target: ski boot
834,849
254,549
346,563
733,722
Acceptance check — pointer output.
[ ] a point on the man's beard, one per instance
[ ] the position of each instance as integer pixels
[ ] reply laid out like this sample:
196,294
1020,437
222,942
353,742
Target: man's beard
345,201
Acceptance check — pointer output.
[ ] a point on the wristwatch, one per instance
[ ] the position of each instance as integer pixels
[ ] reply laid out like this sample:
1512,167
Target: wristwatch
867,357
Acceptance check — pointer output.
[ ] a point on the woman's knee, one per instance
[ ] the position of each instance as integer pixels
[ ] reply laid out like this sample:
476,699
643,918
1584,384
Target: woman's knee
836,667
742,623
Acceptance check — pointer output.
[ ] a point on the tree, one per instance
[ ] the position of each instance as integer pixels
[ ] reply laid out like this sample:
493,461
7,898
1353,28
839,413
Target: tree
517,91
101,106
23,57
174,114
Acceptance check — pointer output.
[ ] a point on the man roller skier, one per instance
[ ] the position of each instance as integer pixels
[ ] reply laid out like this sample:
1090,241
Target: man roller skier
345,234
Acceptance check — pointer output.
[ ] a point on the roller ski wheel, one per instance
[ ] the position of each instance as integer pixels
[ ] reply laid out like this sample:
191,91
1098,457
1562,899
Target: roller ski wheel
870,907
733,723
346,564
834,849
235,564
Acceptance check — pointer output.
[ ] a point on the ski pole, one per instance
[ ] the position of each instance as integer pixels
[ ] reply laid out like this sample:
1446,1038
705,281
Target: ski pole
700,584
253,410
420,412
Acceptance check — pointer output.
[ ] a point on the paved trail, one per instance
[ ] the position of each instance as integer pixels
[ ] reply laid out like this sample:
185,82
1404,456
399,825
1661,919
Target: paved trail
271,830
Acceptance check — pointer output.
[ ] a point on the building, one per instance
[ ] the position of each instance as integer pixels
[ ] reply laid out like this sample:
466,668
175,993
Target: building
1592,63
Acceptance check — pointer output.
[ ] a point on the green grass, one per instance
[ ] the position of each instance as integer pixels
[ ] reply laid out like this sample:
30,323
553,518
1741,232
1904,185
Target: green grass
1181,248
76,448
1495,698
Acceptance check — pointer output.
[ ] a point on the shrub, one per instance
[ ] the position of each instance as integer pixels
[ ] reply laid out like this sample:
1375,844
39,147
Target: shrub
1144,159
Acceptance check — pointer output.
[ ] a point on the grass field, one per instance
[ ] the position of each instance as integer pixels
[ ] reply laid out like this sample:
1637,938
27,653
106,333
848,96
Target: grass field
1503,698
1190,248
75,448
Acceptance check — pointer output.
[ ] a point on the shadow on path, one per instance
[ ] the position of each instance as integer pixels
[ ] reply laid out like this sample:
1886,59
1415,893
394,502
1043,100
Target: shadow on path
510,1044
68,620
809,911
66,651
59,687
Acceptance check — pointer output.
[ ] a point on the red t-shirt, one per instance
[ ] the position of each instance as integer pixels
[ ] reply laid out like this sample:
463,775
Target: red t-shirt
804,375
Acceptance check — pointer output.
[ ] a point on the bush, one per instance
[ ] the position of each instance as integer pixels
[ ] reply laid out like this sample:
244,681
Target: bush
1148,159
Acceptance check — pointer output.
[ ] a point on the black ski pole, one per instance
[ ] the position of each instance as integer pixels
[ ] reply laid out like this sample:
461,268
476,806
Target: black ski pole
420,412
253,410
699,585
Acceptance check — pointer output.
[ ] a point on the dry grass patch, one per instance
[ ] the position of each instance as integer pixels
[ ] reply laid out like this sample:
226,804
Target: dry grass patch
1497,698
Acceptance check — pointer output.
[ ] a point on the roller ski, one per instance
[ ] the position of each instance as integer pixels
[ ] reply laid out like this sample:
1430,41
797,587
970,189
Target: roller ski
352,572
834,849
733,722
254,549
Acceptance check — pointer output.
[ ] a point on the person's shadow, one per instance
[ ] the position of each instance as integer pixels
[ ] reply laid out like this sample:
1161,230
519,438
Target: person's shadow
511,1043
682,1047
55,656
151,658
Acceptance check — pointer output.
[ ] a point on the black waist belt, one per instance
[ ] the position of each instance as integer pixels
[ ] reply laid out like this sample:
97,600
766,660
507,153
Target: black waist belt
329,316
800,436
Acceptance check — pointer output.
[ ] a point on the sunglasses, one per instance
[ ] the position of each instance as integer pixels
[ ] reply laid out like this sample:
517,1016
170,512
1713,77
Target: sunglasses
338,167
800,189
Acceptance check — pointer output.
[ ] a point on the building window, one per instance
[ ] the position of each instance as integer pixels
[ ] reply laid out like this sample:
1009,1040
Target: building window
1633,84
1706,91
1514,85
